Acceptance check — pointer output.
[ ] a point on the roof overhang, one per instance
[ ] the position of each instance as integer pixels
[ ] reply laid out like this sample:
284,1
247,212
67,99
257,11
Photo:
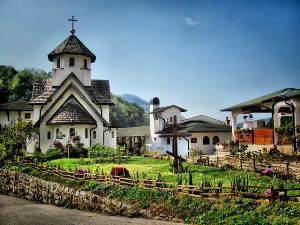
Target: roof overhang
257,105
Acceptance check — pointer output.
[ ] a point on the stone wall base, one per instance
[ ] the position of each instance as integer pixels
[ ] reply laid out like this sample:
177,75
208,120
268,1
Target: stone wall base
35,189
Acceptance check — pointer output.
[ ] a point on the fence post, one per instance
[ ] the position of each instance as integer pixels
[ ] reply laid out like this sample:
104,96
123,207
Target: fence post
241,162
207,160
287,167
217,161
254,169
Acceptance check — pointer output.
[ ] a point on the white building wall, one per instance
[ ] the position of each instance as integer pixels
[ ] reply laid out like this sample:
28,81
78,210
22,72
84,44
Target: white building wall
13,116
60,74
105,112
171,112
208,149
161,145
45,143
3,118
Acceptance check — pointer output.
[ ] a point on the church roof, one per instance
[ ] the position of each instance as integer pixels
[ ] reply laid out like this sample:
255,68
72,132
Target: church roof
19,105
71,112
71,45
99,91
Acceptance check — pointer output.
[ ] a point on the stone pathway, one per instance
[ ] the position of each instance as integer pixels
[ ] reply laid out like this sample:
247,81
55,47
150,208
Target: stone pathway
17,211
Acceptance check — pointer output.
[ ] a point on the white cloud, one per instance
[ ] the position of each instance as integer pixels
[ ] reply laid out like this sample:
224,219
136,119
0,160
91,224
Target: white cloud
190,21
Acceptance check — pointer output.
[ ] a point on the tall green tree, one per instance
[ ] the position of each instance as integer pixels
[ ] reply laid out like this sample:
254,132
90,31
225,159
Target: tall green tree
22,82
7,74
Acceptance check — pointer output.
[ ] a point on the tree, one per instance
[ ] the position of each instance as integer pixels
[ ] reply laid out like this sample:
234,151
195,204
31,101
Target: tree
13,138
7,73
22,82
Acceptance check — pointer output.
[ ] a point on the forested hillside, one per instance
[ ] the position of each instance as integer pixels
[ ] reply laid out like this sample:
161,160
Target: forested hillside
16,85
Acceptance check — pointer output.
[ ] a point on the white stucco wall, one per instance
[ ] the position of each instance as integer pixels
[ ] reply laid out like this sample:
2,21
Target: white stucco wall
160,144
111,137
13,116
208,149
171,112
60,74
45,144
105,112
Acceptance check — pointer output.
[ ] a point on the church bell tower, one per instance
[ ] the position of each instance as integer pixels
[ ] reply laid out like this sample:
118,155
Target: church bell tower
71,56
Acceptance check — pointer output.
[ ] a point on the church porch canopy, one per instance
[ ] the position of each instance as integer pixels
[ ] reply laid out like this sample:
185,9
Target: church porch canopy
262,104
257,105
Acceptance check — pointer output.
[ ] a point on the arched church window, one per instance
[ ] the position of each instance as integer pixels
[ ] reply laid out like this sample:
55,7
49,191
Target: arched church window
58,63
168,140
112,134
206,140
72,131
86,133
85,64
72,62
216,140
48,135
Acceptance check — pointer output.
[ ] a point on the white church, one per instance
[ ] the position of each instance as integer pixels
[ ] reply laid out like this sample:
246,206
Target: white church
68,104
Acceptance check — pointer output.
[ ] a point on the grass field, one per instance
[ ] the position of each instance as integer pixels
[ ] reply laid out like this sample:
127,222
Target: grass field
151,167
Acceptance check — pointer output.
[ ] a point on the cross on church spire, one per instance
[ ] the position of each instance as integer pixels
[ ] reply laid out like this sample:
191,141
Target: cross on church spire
73,20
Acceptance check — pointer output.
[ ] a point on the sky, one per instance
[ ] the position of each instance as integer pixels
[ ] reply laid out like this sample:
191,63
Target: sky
200,55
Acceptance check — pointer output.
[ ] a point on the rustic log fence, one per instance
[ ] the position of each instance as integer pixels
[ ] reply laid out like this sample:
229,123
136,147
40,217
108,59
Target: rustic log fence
253,165
246,191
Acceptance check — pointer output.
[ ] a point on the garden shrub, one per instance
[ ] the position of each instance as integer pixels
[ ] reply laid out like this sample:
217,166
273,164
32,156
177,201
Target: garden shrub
14,137
119,171
101,153
3,154
54,153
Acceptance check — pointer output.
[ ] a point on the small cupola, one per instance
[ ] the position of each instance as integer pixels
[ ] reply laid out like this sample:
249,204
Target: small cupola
71,56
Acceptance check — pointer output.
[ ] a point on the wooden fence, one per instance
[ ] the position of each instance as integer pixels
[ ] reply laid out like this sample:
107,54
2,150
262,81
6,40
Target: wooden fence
256,136
253,165
234,190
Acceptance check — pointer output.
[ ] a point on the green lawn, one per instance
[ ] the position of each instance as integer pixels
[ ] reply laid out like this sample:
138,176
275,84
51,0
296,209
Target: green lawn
151,167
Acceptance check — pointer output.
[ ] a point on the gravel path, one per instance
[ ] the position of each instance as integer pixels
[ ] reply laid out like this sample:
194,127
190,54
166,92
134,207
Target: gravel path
17,211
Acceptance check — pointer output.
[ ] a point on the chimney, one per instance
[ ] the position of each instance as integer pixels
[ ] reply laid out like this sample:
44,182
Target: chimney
154,104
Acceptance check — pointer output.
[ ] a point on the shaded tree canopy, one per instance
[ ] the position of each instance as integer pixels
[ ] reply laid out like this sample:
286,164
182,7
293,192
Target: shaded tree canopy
16,85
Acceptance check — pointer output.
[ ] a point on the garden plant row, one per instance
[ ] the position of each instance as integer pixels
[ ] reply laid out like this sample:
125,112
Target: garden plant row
239,187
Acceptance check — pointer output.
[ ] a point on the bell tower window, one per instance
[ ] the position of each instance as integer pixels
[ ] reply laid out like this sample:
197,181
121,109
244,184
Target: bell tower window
71,62
58,63
85,64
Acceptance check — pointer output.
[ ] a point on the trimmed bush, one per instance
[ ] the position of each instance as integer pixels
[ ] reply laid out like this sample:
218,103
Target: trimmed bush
119,171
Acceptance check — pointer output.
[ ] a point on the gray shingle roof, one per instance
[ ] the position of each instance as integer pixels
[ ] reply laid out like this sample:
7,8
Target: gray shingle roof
71,112
197,127
161,109
134,131
20,105
99,91
71,45
206,127
202,118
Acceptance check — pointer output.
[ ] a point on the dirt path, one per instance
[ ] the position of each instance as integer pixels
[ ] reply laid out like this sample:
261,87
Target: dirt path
17,211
